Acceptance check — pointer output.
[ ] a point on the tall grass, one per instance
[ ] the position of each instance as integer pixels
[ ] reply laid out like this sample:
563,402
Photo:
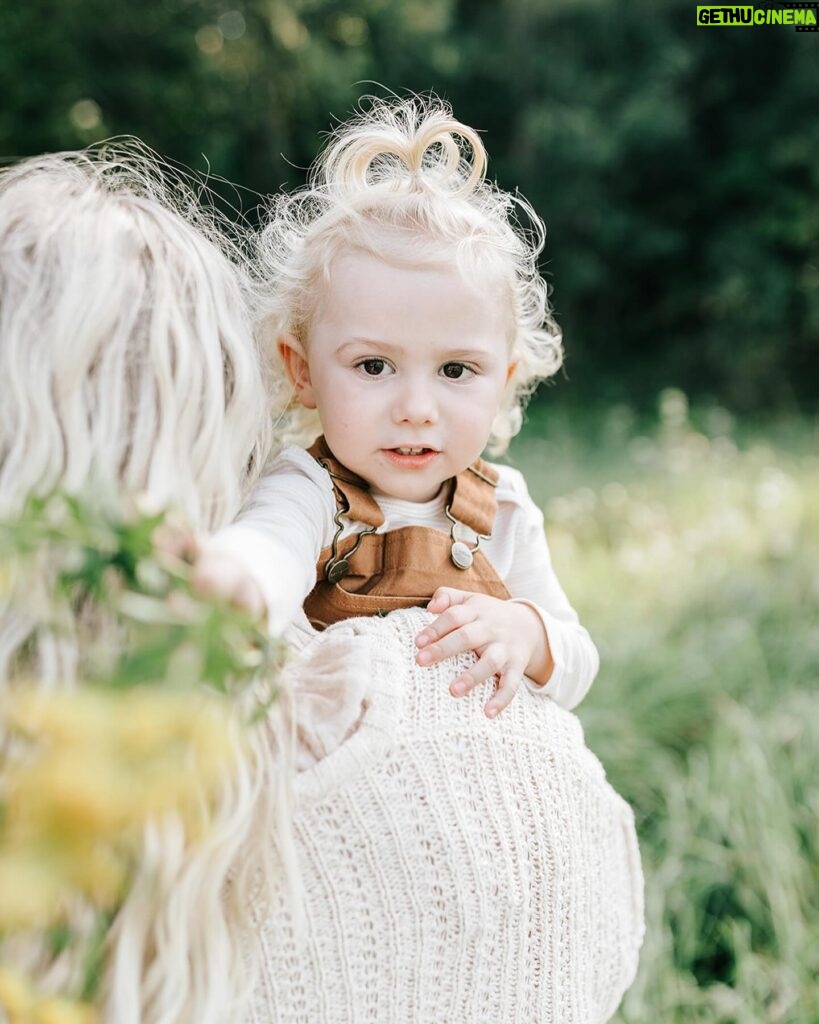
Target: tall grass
691,549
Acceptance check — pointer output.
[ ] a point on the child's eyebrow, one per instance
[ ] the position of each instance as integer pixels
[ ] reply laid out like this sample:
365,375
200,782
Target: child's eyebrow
385,346
444,353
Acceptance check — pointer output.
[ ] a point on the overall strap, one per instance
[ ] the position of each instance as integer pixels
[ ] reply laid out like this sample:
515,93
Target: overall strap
352,493
473,500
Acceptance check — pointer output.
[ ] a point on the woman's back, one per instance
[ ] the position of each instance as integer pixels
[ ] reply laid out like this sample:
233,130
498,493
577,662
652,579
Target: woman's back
454,869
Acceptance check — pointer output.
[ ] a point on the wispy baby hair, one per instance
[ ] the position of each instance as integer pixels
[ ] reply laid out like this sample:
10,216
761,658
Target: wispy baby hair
406,182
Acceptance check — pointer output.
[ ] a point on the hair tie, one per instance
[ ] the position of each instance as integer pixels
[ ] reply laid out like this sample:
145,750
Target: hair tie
416,184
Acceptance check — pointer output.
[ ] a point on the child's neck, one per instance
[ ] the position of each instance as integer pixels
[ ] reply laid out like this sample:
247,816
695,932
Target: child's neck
384,496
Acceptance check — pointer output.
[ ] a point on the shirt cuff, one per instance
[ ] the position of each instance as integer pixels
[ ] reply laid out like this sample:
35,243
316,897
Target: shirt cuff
271,566
574,656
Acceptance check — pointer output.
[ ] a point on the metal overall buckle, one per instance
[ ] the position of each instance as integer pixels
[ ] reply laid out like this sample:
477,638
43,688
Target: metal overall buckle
461,554
338,566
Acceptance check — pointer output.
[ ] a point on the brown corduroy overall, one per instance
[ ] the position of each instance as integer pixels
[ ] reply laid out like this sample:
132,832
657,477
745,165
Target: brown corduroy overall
371,573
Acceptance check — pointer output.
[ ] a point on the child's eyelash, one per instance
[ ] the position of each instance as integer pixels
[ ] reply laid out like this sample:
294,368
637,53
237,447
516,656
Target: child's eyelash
466,368
361,364
378,364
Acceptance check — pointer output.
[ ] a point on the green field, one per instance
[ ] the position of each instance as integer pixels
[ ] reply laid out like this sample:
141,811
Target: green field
690,547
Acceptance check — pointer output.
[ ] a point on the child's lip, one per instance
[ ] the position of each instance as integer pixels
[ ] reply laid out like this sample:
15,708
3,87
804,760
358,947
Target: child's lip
423,447
415,461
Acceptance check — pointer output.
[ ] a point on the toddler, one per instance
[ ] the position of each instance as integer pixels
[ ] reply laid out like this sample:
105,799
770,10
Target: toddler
411,321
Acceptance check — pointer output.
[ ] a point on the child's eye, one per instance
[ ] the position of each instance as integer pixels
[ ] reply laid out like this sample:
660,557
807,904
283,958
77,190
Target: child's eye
456,371
373,367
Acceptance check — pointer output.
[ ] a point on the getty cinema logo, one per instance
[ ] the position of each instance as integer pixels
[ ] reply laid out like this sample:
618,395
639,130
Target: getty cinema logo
803,16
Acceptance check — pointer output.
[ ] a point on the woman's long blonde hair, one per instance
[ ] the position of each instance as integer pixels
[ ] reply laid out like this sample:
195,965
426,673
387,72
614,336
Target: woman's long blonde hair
127,361
406,182
125,350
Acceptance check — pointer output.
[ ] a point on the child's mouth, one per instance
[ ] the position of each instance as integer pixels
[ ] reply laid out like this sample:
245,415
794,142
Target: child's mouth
410,458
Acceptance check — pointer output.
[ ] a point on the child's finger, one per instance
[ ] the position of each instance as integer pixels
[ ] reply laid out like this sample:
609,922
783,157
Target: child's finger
176,542
467,637
454,618
445,597
216,576
249,598
510,682
490,662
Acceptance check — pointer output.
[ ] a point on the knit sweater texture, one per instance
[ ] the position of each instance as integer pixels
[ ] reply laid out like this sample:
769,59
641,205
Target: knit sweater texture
454,870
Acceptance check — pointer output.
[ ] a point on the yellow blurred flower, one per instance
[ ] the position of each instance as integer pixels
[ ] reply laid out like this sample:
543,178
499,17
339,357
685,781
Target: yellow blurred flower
63,1011
22,1005
30,890
97,869
96,766
69,790
64,717
16,996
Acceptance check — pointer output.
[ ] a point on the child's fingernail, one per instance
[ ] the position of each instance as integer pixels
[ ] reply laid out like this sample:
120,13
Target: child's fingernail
491,711
421,640
423,657
457,689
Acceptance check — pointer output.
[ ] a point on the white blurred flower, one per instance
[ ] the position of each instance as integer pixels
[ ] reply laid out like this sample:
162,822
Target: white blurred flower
642,450
614,495
673,407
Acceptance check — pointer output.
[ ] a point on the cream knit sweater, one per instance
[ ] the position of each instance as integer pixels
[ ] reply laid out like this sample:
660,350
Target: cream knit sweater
453,869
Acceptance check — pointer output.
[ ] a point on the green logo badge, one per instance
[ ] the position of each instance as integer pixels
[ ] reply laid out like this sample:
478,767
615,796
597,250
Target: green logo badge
803,16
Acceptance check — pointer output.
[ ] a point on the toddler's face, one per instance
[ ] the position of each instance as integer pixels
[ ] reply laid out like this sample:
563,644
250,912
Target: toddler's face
406,368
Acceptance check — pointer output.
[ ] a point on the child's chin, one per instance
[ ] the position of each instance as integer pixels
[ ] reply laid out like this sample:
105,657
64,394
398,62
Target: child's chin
420,492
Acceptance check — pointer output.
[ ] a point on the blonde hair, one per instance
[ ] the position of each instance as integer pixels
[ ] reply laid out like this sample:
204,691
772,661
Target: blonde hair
128,360
406,182
125,345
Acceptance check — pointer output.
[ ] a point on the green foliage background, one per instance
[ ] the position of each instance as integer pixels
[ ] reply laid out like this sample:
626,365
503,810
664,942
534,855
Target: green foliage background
677,167
690,547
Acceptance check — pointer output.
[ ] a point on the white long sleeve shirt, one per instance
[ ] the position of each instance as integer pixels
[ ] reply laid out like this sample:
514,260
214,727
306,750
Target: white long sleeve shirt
288,520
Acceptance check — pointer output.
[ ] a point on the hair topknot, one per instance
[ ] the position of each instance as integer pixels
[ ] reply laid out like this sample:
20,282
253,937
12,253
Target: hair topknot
405,148
405,181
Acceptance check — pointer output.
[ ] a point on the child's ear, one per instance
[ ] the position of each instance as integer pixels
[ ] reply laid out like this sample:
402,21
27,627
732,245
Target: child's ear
297,368
510,369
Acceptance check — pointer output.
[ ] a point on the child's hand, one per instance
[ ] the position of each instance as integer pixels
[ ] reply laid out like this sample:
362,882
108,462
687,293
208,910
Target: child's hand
508,637
218,575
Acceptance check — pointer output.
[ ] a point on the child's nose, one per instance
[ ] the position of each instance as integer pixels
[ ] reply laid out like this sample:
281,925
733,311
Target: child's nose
415,403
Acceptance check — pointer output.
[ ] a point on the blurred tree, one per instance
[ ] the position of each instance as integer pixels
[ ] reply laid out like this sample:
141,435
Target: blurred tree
676,167
677,172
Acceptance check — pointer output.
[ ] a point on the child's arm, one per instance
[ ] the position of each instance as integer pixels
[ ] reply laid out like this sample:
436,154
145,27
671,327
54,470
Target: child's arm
265,562
536,634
